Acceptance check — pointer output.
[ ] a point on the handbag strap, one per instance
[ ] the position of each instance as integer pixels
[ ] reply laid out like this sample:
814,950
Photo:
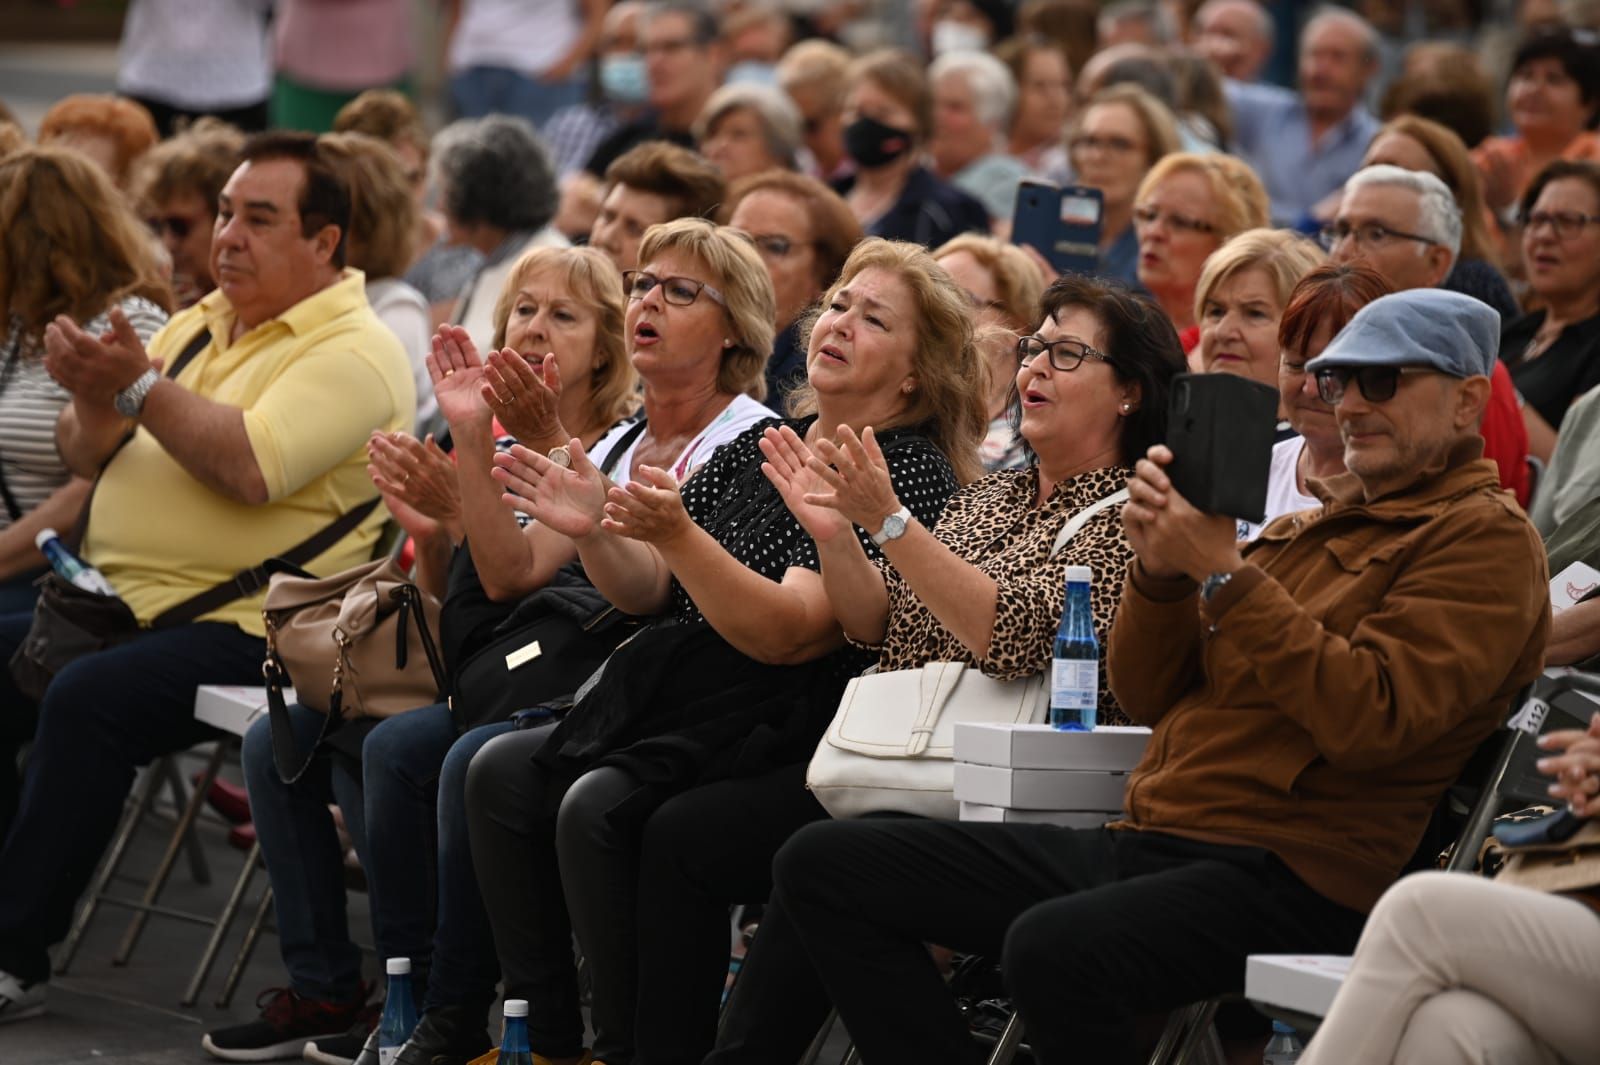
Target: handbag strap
1081,518
614,456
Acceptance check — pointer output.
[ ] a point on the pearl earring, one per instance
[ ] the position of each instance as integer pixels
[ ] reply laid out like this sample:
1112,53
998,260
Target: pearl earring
1127,408
907,388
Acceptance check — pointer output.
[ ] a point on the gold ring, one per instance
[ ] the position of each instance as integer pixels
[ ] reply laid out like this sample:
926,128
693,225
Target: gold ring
447,373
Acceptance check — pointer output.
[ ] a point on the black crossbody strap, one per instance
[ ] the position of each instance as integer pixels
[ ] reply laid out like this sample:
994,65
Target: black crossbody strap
614,456
248,582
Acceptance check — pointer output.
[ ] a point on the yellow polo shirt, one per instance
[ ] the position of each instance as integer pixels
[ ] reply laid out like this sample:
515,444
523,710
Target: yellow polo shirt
313,384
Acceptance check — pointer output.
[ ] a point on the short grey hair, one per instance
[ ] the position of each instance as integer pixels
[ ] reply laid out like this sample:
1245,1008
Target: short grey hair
780,118
1438,214
496,171
1325,13
994,90
1161,27
1264,27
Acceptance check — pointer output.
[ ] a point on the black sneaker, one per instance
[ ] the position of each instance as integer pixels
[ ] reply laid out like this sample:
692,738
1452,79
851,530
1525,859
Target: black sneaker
358,1046
288,1021
447,1035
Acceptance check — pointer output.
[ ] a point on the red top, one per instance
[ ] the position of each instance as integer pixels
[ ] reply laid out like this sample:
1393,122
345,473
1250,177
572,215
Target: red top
1505,437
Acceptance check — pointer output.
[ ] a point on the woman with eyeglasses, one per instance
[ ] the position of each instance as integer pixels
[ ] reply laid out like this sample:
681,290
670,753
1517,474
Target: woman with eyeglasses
1118,137
69,245
1318,307
1186,207
804,232
1004,284
1554,352
739,676
1089,395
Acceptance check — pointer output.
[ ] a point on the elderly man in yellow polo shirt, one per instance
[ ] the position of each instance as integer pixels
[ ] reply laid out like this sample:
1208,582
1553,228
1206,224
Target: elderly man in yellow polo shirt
255,445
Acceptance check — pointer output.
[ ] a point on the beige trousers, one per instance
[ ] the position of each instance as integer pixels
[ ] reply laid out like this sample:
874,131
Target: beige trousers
1456,969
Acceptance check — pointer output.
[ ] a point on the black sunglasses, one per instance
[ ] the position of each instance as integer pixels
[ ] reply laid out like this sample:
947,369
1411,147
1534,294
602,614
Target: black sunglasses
1377,383
177,225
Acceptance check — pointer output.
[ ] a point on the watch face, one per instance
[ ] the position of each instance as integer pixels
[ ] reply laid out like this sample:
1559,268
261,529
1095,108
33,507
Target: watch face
894,525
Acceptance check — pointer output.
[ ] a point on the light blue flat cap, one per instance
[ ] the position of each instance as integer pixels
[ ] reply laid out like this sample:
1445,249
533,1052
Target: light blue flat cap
1454,334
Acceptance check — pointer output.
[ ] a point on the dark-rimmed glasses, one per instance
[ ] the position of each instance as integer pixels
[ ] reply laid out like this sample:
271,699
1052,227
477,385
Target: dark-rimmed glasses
1145,215
1377,383
1568,225
777,246
678,291
1065,355
1367,234
176,224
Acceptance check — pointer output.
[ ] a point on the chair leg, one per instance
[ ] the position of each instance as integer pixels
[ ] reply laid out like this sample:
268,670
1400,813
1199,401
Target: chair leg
814,1051
152,893
133,813
851,1056
1200,1033
246,949
224,923
1005,1048
199,869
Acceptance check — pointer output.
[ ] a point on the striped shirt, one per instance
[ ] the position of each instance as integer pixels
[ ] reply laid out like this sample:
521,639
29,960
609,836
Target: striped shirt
30,403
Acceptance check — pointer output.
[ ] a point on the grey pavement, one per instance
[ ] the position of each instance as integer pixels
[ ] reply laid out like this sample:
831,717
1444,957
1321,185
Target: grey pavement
130,1015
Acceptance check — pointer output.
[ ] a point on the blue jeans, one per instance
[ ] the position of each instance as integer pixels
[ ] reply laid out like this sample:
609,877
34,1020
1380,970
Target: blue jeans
305,862
479,91
418,862
103,716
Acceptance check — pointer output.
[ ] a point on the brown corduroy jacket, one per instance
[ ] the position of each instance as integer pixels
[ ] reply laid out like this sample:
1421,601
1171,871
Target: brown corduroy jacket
1324,700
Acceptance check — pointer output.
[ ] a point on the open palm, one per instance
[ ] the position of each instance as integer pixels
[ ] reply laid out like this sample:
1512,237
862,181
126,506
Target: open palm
569,501
786,468
457,374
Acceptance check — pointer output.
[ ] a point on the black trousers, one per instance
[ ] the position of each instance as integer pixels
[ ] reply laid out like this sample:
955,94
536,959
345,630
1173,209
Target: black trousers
1093,928
702,852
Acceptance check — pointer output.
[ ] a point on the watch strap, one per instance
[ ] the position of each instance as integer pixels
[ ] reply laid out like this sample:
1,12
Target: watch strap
130,401
894,526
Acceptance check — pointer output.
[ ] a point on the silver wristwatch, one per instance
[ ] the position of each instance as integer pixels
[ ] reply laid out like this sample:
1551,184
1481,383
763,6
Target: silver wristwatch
1212,585
130,401
894,527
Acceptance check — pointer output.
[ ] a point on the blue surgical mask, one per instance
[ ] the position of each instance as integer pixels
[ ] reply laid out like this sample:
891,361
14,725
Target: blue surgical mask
752,72
622,78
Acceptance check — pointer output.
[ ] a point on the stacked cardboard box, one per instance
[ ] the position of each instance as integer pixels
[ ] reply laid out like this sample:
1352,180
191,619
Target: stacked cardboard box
1038,774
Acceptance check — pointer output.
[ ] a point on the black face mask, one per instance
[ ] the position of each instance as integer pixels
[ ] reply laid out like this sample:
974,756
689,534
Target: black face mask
873,144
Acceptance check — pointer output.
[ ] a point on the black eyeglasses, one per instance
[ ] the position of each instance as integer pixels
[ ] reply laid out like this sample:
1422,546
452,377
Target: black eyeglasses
1145,215
1065,355
1367,234
1568,225
176,224
678,291
1089,141
1377,383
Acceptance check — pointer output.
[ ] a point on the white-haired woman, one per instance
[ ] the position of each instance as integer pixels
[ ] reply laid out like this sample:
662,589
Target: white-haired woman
745,129
974,96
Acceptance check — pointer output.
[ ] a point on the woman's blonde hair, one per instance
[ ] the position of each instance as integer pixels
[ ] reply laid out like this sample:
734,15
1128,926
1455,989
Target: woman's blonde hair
1017,279
383,214
69,244
738,272
1284,255
949,400
592,279
1159,123
1241,199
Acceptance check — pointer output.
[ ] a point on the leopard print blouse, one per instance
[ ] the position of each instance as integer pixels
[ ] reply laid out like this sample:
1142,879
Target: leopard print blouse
993,524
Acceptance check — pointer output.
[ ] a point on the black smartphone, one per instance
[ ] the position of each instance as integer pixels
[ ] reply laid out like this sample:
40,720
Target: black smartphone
1064,224
1220,427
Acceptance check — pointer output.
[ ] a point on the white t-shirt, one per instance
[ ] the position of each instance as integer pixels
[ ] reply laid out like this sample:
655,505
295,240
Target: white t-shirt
735,418
1283,487
404,310
527,36
215,54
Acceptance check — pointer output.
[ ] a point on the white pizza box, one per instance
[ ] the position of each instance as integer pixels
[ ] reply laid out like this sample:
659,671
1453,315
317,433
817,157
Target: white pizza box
1112,747
1040,789
977,811
1305,983
232,707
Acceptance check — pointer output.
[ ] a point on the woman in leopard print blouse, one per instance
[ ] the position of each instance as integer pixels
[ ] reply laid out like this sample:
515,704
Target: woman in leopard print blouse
982,587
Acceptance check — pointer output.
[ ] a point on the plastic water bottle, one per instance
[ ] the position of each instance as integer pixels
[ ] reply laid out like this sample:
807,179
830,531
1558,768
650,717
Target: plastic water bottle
1075,666
399,1013
514,1039
69,566
1284,1047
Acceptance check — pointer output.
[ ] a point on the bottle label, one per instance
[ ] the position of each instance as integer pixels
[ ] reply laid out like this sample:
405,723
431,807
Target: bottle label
1074,683
386,1055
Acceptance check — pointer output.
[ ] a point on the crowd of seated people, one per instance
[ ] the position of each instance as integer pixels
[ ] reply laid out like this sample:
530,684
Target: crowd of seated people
706,322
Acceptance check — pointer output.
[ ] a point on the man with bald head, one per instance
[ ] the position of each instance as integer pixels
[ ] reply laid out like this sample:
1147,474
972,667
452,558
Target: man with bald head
1236,35
1304,145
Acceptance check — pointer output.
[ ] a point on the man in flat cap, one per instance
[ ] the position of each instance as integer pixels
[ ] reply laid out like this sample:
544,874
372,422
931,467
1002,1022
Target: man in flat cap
1311,697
